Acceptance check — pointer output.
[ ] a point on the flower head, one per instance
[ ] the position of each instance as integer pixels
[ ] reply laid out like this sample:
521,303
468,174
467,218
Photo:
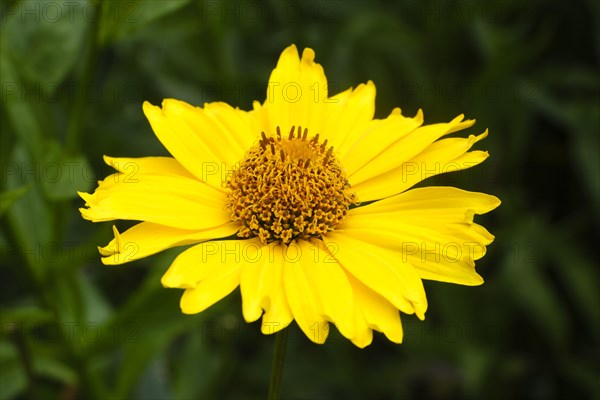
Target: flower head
318,195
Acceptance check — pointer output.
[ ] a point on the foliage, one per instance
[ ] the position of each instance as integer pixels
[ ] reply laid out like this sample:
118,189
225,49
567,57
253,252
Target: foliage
74,76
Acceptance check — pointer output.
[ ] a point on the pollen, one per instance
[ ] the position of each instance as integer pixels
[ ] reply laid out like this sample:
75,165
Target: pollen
288,187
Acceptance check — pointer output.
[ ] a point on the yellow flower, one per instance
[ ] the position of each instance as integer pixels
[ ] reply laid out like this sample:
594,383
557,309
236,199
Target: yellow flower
315,193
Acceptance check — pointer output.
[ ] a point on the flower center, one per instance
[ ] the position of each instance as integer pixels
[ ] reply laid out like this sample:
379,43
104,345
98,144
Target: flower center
288,188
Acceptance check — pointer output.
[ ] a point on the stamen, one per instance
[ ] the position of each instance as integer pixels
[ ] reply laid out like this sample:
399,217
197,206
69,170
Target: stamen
293,190
329,152
263,141
323,145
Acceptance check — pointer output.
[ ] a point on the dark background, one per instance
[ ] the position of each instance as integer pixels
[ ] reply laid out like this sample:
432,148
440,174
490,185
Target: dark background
74,76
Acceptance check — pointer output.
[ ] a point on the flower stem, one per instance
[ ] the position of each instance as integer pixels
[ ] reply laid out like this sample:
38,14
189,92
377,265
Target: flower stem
277,367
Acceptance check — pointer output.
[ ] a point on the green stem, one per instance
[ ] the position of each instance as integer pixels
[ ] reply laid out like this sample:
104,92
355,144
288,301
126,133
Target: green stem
277,367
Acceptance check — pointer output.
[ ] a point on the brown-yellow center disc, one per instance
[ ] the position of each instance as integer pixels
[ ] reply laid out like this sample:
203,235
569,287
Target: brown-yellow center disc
288,188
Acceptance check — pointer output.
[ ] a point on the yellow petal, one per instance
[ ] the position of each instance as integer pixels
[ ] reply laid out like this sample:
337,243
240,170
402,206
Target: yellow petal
347,115
403,149
301,294
378,136
446,155
331,285
438,199
364,334
131,168
297,95
278,314
430,228
200,139
146,238
256,278
222,132
379,313
170,200
203,260
217,281
379,269
297,88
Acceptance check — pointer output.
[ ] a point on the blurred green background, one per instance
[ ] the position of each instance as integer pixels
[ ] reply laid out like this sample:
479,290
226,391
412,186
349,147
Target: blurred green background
74,76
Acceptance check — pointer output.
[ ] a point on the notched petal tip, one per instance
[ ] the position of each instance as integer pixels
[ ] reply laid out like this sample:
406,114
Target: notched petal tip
111,252
256,105
477,282
469,216
361,344
110,260
364,89
186,307
370,87
289,54
396,112
87,197
308,55
147,106
172,280
251,315
495,202
291,49
108,160
170,104
151,111
87,213
483,135
164,281
108,250
117,235
459,123
419,117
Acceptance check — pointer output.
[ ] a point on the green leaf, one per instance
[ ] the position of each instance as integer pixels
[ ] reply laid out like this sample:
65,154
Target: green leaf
121,19
194,350
12,379
62,176
25,315
21,114
45,38
29,217
50,367
529,285
579,274
8,197
143,328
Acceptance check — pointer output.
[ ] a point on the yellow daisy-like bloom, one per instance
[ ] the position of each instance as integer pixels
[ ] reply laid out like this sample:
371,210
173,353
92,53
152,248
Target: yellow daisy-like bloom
317,193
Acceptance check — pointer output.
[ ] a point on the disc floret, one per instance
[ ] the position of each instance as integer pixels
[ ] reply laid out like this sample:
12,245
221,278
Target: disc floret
289,188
